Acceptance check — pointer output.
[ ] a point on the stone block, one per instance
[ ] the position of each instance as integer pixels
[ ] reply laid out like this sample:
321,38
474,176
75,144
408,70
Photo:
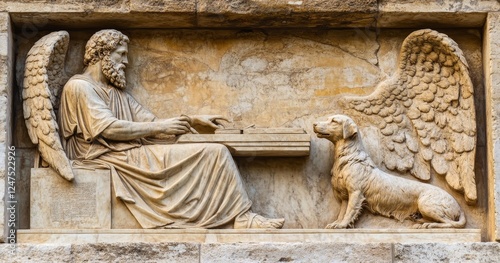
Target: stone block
114,19
27,6
232,236
4,22
163,6
295,252
4,44
492,80
163,13
284,13
19,253
24,164
131,252
83,203
437,252
428,6
427,13
136,252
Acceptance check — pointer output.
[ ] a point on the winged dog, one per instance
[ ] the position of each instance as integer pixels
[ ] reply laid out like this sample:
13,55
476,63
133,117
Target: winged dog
425,112
358,183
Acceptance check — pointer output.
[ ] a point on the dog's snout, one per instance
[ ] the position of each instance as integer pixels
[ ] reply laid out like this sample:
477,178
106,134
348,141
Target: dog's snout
315,124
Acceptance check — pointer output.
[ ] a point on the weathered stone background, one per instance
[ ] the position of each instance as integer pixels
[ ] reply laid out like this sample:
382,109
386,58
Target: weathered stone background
269,78
29,17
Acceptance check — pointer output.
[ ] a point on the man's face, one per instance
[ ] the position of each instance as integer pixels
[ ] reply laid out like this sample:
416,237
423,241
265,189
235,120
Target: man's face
113,66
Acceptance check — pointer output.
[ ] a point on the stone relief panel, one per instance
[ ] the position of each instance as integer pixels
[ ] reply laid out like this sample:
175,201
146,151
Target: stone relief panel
163,185
358,184
425,117
274,78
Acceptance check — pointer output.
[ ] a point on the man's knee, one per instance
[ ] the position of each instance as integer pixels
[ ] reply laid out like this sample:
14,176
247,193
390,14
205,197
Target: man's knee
216,147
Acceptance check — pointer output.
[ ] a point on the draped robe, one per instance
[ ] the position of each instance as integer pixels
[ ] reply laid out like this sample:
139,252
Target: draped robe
188,185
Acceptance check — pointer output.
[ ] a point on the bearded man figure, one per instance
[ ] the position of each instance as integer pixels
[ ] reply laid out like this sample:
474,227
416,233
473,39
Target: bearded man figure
163,185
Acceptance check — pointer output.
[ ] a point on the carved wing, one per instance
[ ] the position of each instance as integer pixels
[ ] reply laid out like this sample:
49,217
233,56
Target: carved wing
44,78
426,112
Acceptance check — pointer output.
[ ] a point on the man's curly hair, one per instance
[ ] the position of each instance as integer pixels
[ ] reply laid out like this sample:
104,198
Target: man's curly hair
101,44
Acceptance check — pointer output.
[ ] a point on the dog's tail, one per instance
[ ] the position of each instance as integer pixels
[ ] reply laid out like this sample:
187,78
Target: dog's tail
461,221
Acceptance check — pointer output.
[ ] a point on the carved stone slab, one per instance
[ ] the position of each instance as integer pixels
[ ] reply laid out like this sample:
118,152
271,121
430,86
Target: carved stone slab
84,203
265,144
317,236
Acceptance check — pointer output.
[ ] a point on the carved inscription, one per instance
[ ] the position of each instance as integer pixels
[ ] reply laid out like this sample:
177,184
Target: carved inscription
75,205
84,203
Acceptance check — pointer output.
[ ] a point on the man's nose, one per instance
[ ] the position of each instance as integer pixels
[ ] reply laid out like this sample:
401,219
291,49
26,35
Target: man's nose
125,61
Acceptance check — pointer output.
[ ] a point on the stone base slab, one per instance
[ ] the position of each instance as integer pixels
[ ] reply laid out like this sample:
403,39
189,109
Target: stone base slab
249,253
83,203
405,236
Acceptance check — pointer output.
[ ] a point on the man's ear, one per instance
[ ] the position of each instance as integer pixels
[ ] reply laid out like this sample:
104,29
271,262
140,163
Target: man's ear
350,129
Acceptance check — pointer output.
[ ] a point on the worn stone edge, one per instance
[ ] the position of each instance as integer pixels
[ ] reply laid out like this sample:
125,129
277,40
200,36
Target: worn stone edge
492,127
193,14
197,6
6,97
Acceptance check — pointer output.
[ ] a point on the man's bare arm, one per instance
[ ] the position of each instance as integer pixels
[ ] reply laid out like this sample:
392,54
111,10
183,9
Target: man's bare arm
127,130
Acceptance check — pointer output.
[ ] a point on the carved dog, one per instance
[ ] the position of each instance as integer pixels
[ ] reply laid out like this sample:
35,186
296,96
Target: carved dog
358,183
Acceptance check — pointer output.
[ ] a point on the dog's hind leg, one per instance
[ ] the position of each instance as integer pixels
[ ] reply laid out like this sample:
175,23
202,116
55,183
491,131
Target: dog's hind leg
442,211
443,222
353,210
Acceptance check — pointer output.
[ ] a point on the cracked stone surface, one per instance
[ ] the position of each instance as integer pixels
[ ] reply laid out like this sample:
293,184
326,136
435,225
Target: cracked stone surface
103,252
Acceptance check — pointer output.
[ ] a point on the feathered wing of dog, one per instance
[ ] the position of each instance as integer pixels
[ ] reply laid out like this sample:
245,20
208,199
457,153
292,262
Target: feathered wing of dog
425,112
44,78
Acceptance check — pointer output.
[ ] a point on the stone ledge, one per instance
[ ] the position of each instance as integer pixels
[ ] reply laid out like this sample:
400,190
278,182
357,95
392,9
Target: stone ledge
446,6
164,6
56,6
244,14
433,19
406,236
285,13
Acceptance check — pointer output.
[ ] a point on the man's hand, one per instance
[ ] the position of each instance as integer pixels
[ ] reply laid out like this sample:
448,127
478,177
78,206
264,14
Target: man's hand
212,121
177,126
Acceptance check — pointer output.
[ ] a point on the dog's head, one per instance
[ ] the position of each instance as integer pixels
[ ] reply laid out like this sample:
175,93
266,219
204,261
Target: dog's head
336,128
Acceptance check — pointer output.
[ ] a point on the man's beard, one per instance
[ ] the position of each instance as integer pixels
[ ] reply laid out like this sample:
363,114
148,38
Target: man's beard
114,72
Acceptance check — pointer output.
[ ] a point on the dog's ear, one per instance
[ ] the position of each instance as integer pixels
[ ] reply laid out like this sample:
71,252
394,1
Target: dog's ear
350,128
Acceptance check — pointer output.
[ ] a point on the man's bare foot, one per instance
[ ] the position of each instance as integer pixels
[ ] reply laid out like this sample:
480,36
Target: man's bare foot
253,220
